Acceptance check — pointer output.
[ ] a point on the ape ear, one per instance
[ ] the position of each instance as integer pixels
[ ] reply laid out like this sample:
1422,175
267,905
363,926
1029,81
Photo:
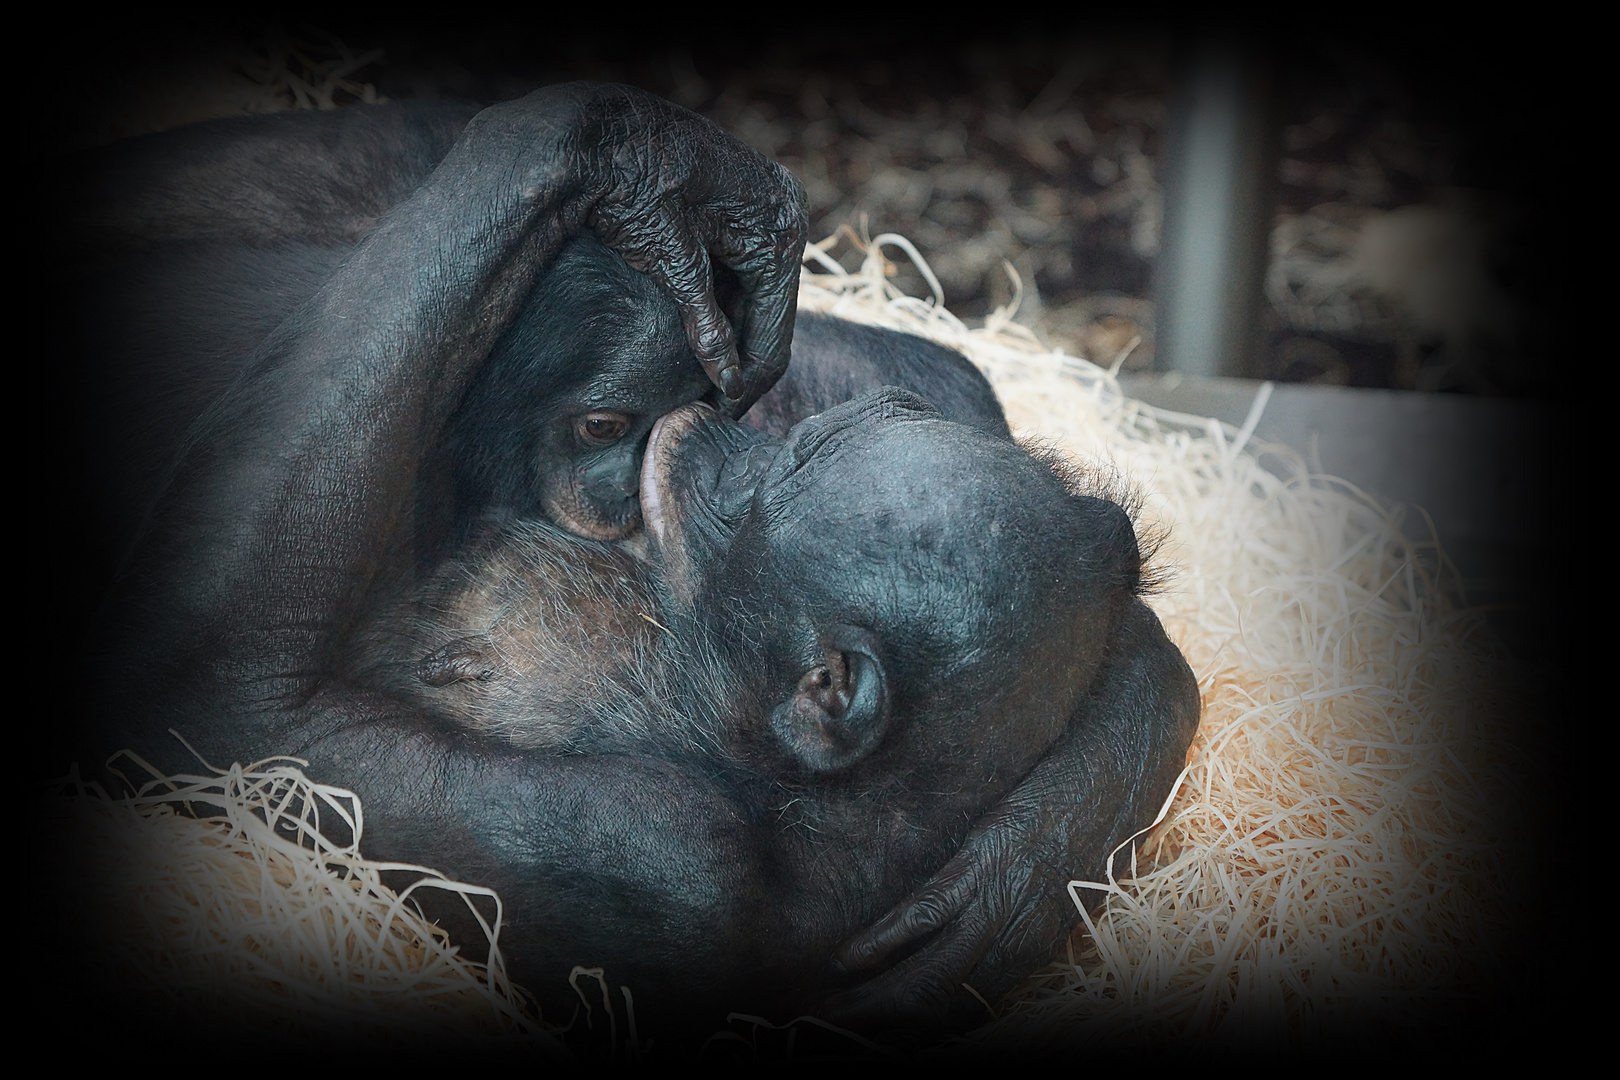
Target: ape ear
840,709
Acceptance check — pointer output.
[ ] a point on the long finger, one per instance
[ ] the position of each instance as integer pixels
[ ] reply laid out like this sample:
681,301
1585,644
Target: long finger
662,245
764,327
919,915
922,991
1031,937
767,262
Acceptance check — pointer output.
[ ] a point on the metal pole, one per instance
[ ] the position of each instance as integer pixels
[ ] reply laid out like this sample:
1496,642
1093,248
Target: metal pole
1219,175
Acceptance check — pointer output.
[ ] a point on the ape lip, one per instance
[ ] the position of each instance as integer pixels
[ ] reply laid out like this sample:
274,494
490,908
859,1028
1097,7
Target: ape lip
652,515
661,441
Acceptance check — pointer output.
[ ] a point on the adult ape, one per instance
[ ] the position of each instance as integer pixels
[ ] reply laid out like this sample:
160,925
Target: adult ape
868,633
400,305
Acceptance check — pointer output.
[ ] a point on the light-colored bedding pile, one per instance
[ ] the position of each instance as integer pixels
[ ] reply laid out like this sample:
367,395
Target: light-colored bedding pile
224,897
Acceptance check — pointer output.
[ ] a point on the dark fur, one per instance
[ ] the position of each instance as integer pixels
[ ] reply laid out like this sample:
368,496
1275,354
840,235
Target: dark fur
559,645
288,590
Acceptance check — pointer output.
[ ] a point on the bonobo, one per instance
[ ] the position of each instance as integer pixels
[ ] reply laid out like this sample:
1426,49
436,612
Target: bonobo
309,493
855,641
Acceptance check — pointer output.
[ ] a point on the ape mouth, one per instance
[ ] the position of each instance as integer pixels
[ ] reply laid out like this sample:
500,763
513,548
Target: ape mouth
700,470
698,475
666,434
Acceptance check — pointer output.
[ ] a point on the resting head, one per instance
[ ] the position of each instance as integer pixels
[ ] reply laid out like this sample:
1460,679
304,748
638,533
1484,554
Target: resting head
901,590
555,423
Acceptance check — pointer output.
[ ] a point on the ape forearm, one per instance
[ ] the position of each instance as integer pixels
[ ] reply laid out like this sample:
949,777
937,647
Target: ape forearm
322,178
630,863
1100,785
1124,752
636,864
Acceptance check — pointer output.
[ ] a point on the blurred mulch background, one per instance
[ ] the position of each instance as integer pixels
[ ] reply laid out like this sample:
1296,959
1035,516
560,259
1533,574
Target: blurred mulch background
1416,242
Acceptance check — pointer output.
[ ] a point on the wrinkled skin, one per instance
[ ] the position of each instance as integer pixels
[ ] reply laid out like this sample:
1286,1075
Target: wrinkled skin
254,216
875,697
669,191
300,196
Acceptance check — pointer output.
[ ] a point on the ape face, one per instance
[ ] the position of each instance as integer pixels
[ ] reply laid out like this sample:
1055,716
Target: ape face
556,422
886,591
895,580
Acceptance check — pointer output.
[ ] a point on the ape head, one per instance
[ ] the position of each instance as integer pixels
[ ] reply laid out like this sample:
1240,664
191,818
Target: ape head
900,588
555,423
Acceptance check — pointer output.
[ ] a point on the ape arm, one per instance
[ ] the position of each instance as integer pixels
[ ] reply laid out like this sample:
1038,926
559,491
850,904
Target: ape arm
322,178
668,190
295,490
636,864
999,909
291,506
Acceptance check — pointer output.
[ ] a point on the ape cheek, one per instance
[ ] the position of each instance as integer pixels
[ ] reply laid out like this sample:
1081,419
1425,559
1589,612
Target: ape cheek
589,504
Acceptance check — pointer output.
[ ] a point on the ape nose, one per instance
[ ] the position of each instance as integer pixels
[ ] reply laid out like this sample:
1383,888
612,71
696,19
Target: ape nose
614,482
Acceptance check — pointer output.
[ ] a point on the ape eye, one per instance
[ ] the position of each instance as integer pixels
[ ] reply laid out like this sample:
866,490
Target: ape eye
602,427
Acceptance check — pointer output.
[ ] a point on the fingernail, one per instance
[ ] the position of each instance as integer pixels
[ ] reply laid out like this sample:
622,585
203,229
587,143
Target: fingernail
731,382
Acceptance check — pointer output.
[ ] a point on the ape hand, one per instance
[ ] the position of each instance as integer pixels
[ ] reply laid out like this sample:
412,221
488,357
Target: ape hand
996,912
674,194
1000,908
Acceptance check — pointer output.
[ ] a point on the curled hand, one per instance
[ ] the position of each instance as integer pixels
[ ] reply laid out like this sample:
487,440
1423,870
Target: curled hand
995,913
676,196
